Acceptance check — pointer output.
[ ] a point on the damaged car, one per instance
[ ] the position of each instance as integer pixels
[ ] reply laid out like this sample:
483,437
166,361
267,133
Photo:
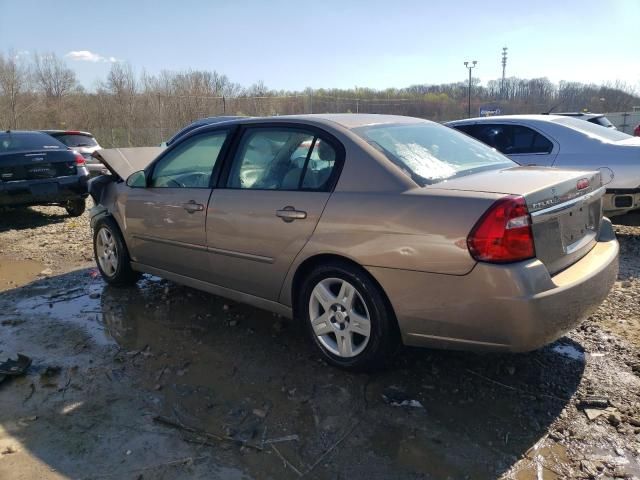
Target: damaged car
372,230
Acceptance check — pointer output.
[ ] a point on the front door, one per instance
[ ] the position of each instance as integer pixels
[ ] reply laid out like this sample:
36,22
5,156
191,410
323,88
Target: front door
166,221
268,207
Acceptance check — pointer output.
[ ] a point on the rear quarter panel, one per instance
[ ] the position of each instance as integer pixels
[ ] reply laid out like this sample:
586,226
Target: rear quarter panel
424,229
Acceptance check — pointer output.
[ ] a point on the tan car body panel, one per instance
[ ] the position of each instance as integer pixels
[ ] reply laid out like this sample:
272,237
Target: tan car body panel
125,161
517,307
411,240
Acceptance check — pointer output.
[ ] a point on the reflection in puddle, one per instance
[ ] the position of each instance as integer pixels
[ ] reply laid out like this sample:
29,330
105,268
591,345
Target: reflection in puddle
244,373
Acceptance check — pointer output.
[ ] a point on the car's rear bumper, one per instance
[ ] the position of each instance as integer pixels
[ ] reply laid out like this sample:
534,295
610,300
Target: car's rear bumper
620,201
516,307
96,169
43,192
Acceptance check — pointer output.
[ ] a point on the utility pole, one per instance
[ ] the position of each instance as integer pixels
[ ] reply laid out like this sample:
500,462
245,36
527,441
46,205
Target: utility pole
504,69
469,66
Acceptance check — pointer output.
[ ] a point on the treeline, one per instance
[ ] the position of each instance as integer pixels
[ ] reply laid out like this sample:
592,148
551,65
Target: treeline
127,109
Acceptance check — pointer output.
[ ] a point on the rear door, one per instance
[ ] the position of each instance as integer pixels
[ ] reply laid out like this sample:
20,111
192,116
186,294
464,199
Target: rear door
166,220
268,205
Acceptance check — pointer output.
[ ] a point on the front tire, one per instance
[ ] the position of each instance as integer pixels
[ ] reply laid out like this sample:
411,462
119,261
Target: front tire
347,317
112,256
76,207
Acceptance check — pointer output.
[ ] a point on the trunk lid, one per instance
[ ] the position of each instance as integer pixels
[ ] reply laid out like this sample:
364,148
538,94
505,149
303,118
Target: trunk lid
122,162
36,165
565,207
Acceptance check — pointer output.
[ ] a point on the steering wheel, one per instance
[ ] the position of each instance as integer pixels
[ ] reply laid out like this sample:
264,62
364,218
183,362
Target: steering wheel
174,183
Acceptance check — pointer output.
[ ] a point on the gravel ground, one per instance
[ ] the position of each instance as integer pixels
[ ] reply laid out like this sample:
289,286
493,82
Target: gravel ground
162,381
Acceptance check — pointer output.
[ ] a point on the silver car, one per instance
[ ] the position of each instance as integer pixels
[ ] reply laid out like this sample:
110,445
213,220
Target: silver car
85,144
370,229
566,142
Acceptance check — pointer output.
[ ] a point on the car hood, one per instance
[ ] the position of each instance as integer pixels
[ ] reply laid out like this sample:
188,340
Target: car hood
125,161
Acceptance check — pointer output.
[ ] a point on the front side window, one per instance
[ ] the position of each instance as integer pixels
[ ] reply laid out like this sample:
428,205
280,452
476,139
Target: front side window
429,152
282,159
190,164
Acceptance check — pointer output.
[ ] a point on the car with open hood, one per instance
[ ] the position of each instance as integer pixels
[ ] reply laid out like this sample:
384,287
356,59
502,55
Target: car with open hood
372,230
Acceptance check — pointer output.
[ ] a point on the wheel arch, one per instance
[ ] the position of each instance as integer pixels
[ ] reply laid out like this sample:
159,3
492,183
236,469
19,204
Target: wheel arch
312,262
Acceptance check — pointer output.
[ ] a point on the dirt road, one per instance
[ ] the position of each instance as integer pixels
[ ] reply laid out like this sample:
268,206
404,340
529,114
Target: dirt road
162,381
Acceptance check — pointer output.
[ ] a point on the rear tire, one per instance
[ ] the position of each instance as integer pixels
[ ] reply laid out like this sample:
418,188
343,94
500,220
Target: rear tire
76,207
347,317
112,256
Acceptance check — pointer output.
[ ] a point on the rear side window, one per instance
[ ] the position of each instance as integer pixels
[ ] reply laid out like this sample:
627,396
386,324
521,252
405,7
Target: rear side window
282,159
429,152
74,140
512,139
21,141
592,130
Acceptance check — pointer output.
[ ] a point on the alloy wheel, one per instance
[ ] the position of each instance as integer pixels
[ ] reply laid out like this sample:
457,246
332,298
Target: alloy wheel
107,251
339,317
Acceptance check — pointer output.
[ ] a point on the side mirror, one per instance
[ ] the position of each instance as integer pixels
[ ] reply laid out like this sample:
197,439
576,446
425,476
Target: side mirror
137,180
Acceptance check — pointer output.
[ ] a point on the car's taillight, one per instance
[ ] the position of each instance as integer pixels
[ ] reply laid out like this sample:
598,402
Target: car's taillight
503,234
80,159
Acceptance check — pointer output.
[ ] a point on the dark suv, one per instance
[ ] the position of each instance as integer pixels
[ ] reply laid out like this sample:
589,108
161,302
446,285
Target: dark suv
37,169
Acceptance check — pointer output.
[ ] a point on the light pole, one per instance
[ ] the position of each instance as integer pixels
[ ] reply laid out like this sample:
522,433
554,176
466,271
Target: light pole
469,66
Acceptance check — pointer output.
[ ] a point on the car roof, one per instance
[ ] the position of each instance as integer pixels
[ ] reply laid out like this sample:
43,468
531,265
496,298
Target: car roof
346,120
503,118
22,132
66,132
580,114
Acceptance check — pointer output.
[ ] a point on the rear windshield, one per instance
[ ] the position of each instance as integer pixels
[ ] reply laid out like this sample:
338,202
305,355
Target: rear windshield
16,141
604,121
592,129
75,140
430,152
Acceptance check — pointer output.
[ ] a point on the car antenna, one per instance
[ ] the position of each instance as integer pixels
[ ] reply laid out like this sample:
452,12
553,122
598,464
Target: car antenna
554,107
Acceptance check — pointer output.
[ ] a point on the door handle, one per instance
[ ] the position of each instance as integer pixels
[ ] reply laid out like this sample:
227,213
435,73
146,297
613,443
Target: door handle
289,214
191,206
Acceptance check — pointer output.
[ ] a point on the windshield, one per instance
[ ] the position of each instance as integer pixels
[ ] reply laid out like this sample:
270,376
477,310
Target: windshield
592,129
17,141
604,121
430,152
77,140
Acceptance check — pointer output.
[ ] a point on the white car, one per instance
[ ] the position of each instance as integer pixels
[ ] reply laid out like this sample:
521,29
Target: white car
565,142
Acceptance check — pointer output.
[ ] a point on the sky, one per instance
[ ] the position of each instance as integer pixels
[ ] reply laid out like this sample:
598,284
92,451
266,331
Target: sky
292,45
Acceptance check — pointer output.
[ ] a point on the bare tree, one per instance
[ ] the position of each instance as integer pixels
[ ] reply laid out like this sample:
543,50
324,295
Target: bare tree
122,86
52,76
14,86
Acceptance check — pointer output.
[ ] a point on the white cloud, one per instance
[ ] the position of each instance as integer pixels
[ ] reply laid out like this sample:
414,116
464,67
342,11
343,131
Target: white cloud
87,56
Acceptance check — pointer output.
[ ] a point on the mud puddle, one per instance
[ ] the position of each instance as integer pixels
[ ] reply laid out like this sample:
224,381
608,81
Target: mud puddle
251,379
15,273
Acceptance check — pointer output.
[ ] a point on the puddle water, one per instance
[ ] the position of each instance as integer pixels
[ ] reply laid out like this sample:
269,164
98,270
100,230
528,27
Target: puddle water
14,273
238,371
569,351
